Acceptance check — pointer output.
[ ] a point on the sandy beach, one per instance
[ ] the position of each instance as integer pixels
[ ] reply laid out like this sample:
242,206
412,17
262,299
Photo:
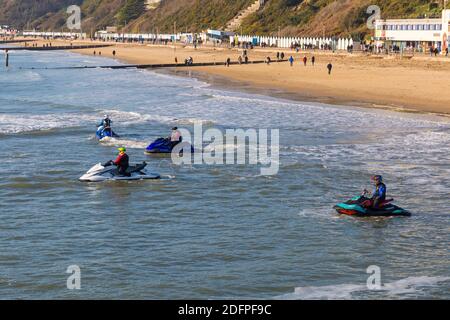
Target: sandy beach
415,84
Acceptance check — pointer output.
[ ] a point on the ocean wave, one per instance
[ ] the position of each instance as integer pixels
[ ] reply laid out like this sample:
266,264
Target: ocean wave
27,123
347,291
21,76
118,142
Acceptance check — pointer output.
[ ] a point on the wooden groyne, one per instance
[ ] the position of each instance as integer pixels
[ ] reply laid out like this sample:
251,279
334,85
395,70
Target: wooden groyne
15,41
160,65
49,48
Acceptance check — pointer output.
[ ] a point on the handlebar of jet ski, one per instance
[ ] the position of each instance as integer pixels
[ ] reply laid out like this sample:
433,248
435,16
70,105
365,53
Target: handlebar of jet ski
107,164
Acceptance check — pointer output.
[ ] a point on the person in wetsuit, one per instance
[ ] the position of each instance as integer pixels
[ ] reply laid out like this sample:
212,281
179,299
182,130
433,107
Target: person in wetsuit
105,124
379,194
175,137
122,162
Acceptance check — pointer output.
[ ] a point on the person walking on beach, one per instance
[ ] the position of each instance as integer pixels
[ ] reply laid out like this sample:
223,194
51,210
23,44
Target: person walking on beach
329,67
268,60
282,55
228,62
291,60
313,60
278,56
305,60
240,59
114,53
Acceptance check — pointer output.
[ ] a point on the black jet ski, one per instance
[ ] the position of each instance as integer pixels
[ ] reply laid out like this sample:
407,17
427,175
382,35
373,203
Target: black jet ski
356,207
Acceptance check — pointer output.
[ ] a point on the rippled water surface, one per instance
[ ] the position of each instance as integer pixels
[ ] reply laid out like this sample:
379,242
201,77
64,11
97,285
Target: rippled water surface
210,231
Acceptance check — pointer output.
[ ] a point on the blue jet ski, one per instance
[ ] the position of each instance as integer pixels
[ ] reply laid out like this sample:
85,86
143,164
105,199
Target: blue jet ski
163,146
103,133
358,207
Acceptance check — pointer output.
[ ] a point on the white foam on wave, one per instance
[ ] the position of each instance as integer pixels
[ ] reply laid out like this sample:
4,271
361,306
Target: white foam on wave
20,123
410,285
119,142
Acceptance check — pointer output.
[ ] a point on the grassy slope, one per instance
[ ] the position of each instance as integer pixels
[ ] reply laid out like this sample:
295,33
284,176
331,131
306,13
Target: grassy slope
194,15
342,17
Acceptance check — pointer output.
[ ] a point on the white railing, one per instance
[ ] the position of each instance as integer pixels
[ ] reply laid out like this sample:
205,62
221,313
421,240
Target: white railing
137,36
292,42
54,34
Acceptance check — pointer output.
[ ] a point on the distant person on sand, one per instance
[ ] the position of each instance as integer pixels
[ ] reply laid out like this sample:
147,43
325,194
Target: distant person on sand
278,56
228,62
305,60
282,56
240,59
268,60
114,53
95,53
313,60
329,67
291,60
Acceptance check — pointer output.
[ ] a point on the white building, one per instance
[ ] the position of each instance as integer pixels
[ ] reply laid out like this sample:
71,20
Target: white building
415,33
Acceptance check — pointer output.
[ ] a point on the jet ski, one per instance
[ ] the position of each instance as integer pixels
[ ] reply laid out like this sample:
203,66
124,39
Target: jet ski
103,133
99,173
356,207
164,146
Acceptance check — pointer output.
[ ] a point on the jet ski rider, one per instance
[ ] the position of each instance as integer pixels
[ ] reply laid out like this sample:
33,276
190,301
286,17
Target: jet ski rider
379,194
105,124
122,162
175,137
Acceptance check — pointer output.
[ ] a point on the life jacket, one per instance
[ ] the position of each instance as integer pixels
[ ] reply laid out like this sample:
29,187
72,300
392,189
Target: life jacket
380,192
122,161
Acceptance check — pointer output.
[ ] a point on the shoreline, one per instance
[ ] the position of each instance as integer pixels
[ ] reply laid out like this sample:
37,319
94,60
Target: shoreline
419,86
219,82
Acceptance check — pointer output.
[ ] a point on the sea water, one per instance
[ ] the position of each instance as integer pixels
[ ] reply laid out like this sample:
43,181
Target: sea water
203,231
